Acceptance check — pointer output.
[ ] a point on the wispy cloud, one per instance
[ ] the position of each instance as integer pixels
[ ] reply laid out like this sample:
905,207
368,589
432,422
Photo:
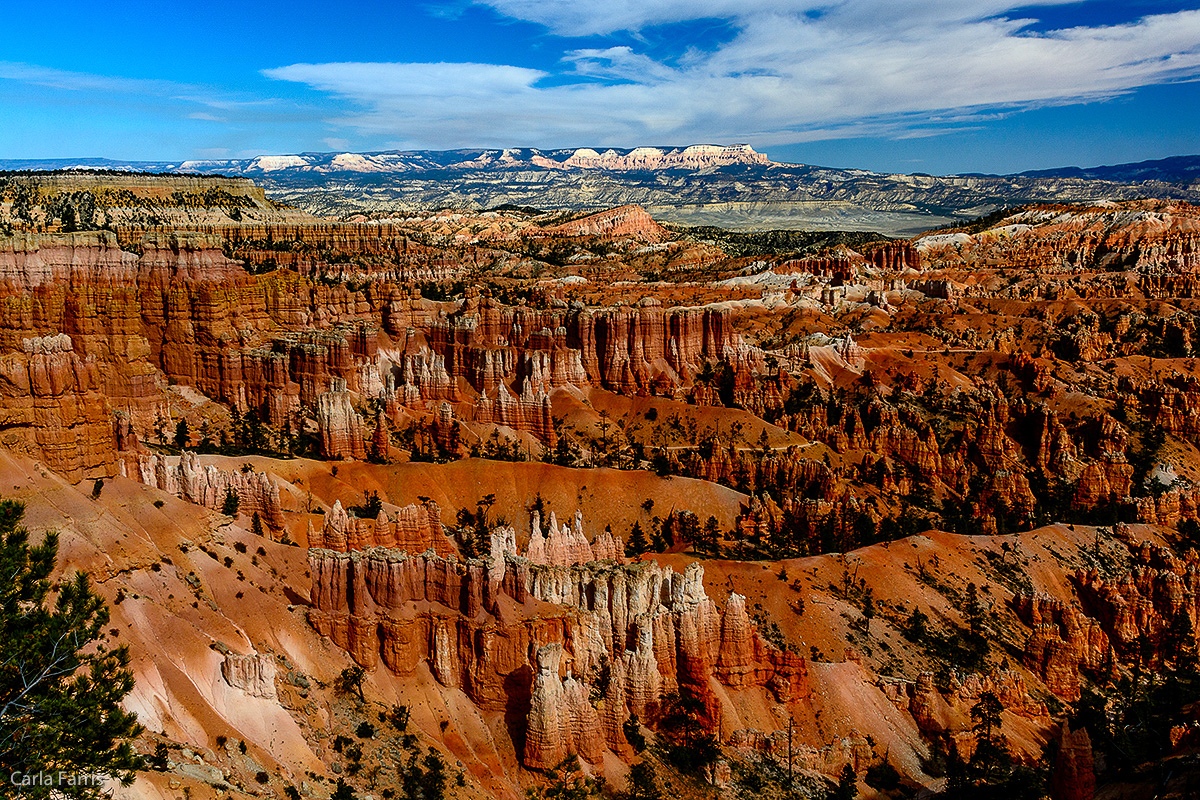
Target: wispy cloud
793,71
84,82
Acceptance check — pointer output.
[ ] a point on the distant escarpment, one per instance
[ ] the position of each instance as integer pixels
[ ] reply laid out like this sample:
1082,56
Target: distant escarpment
726,185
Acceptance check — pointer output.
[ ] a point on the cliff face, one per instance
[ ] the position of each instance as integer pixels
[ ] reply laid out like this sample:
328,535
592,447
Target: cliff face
625,349
52,407
254,674
1137,617
657,629
416,529
1159,240
179,310
207,485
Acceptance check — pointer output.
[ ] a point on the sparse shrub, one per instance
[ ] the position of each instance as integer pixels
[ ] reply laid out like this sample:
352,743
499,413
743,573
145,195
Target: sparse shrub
240,547
398,718
97,488
365,730
350,681
262,777
159,504
370,508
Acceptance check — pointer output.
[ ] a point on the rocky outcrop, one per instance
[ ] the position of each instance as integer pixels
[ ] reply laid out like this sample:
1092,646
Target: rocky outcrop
622,348
565,545
1064,642
1150,607
342,432
532,412
561,721
52,408
206,485
254,674
1154,238
945,711
1074,776
30,260
655,629
416,529
615,223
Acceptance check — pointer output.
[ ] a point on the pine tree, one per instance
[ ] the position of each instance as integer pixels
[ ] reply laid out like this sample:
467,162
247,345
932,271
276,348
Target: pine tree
643,784
60,684
182,435
637,543
847,788
230,506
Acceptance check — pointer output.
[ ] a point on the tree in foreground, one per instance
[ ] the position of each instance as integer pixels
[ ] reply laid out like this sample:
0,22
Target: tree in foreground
60,684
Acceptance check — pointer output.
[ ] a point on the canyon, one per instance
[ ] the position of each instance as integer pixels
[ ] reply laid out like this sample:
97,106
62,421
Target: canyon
798,484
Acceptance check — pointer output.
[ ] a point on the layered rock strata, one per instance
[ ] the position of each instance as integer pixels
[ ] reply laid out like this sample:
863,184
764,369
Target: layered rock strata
254,674
656,630
53,408
416,529
206,485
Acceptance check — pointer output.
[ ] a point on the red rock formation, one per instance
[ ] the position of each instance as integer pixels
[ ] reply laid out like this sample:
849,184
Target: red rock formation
341,427
52,407
416,529
840,264
893,256
529,412
1143,605
187,479
614,223
1160,240
1074,777
563,546
656,629
254,674
381,438
561,720
1064,642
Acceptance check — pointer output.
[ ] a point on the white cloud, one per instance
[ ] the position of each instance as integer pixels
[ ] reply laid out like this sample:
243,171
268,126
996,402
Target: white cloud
586,17
855,67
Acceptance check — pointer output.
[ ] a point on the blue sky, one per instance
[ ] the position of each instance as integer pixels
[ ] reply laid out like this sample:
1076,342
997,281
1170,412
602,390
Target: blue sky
932,86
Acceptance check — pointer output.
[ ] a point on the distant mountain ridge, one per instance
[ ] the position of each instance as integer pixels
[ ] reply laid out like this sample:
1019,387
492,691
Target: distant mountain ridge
1176,169
692,157
730,186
